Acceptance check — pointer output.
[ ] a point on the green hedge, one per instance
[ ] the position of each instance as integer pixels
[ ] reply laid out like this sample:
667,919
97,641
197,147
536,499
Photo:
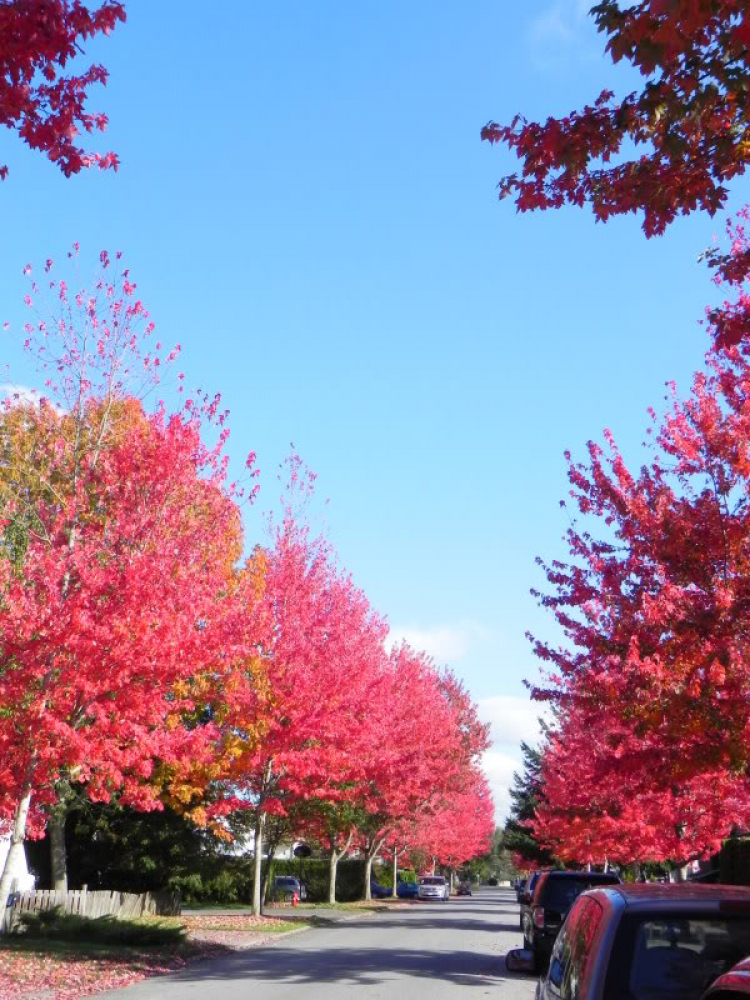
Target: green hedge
350,877
230,880
217,880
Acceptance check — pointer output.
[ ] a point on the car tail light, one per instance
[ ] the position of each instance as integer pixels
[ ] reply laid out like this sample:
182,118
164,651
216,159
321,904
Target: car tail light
537,915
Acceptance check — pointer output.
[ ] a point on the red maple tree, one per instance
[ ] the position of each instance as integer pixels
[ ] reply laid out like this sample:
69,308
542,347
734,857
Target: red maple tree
120,534
654,606
321,651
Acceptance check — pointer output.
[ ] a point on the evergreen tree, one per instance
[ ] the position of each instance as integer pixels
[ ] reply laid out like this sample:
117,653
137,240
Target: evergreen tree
526,793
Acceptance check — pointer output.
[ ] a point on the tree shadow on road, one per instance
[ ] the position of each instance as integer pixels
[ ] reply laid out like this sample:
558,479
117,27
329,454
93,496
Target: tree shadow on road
352,966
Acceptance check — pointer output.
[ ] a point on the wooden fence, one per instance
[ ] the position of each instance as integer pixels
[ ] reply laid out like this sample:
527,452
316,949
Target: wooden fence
106,903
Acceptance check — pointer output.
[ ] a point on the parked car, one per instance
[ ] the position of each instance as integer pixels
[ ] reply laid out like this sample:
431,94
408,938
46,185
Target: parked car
433,887
526,896
407,890
285,886
732,985
554,894
645,942
520,887
464,889
378,891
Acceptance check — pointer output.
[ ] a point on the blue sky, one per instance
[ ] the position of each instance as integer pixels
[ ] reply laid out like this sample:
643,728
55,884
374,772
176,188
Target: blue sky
307,208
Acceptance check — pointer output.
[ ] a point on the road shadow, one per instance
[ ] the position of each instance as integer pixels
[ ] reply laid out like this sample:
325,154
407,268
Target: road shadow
350,966
426,922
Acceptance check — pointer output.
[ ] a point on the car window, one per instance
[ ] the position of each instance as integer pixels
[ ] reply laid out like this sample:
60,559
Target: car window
674,956
436,880
570,957
560,893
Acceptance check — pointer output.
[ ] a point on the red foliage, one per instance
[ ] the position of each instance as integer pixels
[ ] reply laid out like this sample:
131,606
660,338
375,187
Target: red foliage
119,607
691,115
459,826
653,688
38,38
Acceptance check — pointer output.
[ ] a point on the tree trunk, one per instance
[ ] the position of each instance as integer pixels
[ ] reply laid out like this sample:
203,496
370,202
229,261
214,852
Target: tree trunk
333,863
372,850
258,866
368,876
56,830
269,866
335,857
15,853
394,890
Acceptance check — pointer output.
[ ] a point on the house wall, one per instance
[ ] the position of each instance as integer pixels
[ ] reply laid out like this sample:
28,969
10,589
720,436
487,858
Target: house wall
23,879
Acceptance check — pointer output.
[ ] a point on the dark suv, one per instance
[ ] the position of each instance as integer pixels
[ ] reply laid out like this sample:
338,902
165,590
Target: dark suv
648,942
527,894
554,894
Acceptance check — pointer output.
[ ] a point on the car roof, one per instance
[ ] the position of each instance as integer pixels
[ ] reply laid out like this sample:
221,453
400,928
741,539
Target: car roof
680,894
582,875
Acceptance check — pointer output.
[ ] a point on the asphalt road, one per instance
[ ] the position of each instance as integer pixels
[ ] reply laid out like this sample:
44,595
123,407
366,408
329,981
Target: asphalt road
430,951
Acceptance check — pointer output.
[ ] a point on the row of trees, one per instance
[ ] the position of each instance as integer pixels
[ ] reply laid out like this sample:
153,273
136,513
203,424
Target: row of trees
649,752
143,659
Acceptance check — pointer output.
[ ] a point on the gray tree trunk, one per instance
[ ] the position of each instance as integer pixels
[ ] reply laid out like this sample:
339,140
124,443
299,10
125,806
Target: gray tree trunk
269,865
56,830
258,866
15,853
372,850
368,876
333,863
394,890
334,859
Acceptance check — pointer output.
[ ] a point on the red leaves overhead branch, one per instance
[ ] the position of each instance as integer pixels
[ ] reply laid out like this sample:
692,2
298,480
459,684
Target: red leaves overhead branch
690,119
38,39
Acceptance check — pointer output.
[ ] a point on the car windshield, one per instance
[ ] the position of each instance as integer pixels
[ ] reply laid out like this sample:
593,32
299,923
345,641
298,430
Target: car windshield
432,881
674,956
285,880
561,893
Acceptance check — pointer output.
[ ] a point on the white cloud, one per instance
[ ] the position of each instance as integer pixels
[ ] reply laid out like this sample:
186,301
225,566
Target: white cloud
512,719
445,643
499,768
556,34
23,394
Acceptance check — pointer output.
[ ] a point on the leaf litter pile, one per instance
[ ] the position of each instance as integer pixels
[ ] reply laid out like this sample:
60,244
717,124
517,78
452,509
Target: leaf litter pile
38,971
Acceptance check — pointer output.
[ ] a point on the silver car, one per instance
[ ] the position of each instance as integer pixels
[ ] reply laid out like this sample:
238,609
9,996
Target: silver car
433,887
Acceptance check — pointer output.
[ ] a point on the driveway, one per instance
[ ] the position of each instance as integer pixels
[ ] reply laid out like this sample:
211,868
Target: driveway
430,951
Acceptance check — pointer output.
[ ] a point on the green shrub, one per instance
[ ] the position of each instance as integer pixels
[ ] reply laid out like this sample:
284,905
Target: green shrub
58,926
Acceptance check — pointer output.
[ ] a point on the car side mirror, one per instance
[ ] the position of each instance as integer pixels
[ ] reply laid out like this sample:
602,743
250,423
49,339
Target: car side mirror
520,960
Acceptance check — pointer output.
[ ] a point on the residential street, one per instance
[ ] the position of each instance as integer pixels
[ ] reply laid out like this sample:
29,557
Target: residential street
429,951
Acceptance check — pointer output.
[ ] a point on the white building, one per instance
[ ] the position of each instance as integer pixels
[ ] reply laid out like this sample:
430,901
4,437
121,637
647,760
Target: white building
22,880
